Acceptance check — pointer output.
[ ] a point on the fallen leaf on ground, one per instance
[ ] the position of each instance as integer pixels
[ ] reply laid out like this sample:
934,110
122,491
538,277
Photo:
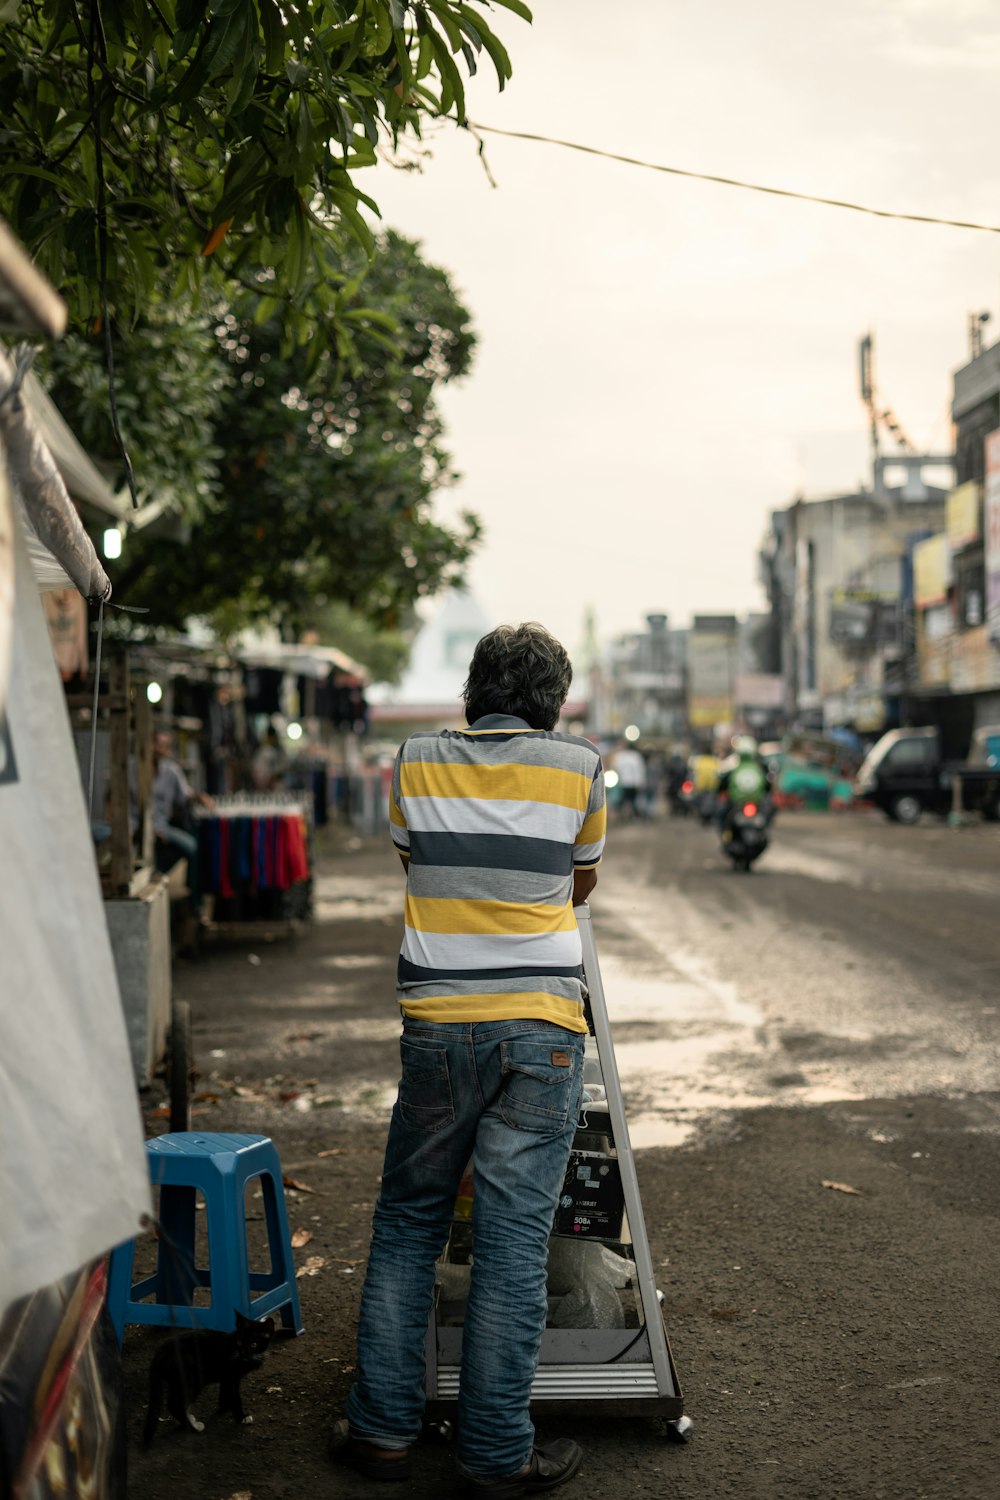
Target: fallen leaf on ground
241,1495
312,1267
207,1098
287,1095
841,1187
297,1186
333,1151
301,1237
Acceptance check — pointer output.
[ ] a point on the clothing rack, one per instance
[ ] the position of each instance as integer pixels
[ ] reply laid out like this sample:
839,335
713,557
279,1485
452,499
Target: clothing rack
256,805
255,860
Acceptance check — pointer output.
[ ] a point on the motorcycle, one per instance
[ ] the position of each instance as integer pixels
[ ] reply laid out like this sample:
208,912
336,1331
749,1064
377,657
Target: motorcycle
744,837
682,798
707,805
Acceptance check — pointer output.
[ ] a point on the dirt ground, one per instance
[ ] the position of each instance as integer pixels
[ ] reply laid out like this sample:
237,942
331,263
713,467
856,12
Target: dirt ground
831,1345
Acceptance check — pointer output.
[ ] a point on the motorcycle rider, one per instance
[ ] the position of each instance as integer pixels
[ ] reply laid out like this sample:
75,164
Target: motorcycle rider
742,779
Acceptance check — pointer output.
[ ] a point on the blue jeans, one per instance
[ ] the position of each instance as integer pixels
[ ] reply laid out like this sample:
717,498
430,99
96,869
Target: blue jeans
507,1094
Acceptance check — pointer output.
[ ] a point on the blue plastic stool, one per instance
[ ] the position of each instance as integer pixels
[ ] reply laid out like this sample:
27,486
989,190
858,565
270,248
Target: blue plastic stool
220,1166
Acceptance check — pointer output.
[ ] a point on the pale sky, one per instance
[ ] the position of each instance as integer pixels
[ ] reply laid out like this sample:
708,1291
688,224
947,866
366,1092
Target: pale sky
661,361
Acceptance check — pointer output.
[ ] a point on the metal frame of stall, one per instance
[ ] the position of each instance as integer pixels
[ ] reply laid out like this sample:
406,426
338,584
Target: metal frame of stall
631,1368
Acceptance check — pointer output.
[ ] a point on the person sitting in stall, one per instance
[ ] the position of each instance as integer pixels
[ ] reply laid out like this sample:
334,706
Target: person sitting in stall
269,764
172,796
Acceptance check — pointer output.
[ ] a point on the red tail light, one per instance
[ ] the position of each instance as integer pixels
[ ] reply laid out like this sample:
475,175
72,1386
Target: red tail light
750,808
687,786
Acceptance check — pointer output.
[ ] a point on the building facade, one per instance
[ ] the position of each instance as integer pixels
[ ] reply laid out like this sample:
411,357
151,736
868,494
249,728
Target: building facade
837,574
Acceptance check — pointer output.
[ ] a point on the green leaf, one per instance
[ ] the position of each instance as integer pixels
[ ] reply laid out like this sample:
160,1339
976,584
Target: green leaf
305,143
518,7
24,169
441,11
346,204
241,85
274,34
453,90
491,43
226,38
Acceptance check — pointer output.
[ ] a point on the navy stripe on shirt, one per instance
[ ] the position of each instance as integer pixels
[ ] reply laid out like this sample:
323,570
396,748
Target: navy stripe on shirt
411,973
491,851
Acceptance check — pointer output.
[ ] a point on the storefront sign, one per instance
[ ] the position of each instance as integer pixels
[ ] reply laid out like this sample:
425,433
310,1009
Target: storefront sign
869,714
705,713
991,526
934,636
963,515
975,664
931,571
863,617
759,690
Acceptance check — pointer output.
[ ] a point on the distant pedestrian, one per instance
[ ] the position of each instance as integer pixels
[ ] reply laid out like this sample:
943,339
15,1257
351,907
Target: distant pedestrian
500,827
631,769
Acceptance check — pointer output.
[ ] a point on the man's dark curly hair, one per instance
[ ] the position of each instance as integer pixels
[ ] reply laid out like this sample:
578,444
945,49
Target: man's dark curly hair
520,670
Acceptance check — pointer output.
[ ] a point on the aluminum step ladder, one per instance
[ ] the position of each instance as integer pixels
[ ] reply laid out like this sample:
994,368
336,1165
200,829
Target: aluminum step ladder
631,1367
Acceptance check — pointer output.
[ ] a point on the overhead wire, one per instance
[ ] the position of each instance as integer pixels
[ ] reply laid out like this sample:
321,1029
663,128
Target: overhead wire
734,182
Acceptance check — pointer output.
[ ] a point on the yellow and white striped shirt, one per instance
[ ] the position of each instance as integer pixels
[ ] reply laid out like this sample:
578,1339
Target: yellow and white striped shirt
493,821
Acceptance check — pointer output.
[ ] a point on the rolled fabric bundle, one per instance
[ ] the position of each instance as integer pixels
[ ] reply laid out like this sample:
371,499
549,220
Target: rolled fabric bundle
51,512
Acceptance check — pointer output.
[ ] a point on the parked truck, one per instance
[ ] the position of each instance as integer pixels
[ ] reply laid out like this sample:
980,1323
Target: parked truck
906,775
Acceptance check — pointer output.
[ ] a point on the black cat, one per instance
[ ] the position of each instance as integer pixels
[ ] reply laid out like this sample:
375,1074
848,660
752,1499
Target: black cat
186,1363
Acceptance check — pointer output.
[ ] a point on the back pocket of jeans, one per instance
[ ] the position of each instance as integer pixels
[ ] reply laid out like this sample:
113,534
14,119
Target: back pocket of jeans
425,1101
540,1083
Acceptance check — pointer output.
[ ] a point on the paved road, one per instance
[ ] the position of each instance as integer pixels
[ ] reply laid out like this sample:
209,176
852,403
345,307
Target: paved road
832,1018
859,959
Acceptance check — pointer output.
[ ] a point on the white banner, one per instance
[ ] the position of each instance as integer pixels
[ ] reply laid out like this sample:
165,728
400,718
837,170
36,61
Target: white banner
73,1178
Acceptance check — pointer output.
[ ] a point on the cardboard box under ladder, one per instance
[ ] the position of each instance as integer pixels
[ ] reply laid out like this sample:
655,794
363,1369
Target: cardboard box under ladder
630,1366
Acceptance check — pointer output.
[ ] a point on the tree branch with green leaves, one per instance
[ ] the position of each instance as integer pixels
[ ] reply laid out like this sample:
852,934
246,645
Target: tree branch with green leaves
189,141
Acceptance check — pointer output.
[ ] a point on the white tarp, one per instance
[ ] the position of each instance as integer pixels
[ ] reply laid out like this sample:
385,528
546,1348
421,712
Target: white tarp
6,583
73,1178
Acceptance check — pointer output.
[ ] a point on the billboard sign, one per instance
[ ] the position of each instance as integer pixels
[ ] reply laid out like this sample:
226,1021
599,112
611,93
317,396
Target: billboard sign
991,526
712,654
931,571
863,617
963,515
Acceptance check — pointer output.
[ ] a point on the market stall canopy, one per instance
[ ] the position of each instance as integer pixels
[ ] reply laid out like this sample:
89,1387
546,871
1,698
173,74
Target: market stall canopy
302,661
80,475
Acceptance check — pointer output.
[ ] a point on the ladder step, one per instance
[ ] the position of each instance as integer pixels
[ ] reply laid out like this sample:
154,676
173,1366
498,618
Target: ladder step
571,1382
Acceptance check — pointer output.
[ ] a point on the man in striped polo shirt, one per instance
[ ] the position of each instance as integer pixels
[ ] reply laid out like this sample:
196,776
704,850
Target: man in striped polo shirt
501,828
